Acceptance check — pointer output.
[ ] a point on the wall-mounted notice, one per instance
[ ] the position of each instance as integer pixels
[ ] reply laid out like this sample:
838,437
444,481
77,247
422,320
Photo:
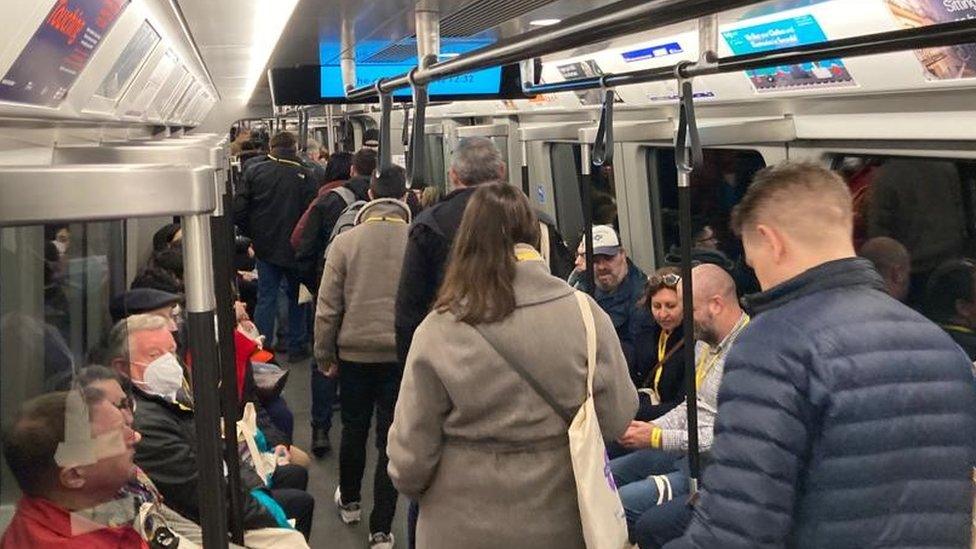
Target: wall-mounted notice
948,63
60,49
787,33
652,52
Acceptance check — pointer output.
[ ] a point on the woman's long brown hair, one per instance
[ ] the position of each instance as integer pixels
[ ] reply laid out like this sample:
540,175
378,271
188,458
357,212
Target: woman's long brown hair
478,286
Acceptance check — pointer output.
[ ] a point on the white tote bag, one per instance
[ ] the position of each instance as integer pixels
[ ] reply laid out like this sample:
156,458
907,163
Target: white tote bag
601,512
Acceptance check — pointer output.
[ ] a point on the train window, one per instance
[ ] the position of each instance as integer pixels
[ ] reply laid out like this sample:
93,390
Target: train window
716,188
54,311
566,162
927,204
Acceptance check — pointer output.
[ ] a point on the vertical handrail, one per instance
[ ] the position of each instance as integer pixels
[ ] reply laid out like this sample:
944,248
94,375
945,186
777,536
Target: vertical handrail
586,198
386,110
688,155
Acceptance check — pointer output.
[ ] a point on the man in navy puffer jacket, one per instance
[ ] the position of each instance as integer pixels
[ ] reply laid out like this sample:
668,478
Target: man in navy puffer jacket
845,419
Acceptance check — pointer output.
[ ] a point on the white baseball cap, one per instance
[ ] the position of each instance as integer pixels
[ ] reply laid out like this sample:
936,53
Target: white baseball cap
605,240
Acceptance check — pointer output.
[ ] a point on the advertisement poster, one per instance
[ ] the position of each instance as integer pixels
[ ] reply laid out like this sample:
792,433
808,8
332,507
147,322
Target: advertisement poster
787,33
59,50
948,63
583,69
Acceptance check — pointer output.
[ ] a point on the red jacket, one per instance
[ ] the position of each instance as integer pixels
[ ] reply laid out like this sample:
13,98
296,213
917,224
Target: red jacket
41,524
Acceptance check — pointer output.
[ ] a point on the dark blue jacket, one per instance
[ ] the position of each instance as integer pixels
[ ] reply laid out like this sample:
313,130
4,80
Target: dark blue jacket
629,318
845,419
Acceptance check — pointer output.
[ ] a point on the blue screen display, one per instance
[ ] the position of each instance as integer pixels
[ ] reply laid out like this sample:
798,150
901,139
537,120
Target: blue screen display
368,71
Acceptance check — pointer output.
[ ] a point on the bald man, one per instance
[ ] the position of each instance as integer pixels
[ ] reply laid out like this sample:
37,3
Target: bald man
654,474
892,261
845,419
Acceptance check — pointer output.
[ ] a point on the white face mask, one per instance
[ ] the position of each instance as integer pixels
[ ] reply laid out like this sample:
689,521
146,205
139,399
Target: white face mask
163,377
61,246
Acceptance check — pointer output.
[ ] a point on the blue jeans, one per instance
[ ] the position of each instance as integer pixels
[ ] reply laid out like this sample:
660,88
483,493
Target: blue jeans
323,398
663,523
265,312
638,492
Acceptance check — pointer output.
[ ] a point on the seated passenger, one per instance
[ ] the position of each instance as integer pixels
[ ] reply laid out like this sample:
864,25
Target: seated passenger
892,261
659,371
483,452
71,454
142,353
147,301
950,301
845,418
653,475
354,340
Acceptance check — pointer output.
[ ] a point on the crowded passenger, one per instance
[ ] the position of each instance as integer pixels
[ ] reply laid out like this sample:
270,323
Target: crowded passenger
845,418
657,472
950,301
71,455
355,340
484,448
313,238
142,353
892,261
272,199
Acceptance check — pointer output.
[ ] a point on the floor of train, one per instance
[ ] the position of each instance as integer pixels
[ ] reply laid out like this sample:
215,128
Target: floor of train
327,529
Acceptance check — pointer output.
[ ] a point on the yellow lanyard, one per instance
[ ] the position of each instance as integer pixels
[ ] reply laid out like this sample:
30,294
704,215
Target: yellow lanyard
957,328
385,219
662,347
526,254
286,161
704,366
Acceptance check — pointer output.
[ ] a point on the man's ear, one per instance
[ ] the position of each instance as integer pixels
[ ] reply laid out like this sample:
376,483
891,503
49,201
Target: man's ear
774,242
71,478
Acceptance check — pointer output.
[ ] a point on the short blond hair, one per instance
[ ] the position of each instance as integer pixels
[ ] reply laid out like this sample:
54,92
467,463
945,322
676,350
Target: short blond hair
803,199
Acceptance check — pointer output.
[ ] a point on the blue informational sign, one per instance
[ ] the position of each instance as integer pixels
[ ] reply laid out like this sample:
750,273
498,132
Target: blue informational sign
483,82
61,48
652,52
787,33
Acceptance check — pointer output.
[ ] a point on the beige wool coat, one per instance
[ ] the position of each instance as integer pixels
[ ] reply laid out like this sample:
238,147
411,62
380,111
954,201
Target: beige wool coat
486,457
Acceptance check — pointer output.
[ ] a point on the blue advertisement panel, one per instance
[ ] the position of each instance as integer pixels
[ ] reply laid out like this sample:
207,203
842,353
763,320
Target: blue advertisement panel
483,82
948,63
59,50
787,33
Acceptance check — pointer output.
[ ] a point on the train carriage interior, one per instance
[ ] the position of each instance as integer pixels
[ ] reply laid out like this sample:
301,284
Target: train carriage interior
122,118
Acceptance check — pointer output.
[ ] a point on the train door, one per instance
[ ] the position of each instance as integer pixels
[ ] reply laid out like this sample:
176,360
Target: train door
735,149
437,155
552,153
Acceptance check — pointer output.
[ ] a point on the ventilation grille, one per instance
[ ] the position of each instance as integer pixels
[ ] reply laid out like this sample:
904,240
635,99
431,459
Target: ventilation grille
482,15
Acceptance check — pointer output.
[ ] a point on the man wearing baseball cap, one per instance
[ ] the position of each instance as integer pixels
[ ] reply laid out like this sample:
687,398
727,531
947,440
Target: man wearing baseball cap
619,284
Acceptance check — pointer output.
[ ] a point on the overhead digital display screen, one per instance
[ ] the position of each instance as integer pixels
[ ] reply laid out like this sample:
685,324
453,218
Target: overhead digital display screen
483,82
58,51
787,33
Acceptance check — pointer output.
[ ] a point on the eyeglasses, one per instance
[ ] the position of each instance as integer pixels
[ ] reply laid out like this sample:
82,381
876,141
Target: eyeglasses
670,280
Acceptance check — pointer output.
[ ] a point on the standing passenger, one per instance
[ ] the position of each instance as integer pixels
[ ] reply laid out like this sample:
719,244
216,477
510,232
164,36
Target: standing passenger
484,453
354,334
273,197
892,261
950,300
845,419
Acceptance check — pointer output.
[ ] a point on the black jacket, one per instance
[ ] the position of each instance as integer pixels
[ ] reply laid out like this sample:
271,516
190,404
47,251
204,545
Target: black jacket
671,385
964,337
431,236
272,198
845,419
322,217
168,454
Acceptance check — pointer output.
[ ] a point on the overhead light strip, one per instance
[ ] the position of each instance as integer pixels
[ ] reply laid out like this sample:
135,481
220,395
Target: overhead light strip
270,19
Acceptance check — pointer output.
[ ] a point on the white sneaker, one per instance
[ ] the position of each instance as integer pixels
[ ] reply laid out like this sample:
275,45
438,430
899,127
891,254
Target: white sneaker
350,512
380,540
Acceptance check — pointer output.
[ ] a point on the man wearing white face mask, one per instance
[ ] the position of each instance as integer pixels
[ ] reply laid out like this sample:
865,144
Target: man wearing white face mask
142,351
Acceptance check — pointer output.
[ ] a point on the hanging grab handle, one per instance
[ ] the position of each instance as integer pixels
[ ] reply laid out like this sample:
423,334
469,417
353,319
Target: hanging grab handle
386,109
603,146
405,137
418,160
687,142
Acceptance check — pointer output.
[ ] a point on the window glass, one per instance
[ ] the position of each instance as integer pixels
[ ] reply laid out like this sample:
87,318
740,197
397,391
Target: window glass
133,56
716,188
54,312
926,204
434,151
566,164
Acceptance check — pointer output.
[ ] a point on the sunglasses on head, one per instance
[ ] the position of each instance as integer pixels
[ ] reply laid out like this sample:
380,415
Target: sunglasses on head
670,280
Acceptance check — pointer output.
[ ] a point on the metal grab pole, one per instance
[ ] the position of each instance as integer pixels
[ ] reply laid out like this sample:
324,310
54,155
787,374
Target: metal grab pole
525,169
687,141
586,197
386,109
201,327
223,257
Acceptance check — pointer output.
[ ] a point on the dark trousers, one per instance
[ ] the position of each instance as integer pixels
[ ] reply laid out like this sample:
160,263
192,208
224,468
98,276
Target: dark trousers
323,398
288,489
413,515
663,523
281,415
270,277
361,388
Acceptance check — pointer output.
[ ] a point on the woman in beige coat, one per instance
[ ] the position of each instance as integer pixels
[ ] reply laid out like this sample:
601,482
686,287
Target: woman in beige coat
483,453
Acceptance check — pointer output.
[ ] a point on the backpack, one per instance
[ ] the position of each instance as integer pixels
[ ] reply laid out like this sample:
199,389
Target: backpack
346,220
296,234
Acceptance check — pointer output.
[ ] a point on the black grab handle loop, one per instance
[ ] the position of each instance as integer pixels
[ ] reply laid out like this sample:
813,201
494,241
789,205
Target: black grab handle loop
386,109
687,141
603,145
